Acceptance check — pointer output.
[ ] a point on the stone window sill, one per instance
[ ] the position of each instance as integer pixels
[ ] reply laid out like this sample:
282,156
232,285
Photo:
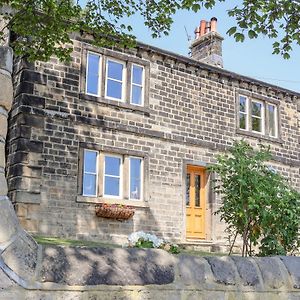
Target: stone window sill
116,103
259,136
96,200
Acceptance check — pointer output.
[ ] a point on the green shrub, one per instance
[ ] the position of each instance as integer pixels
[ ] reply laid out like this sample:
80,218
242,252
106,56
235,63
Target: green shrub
258,204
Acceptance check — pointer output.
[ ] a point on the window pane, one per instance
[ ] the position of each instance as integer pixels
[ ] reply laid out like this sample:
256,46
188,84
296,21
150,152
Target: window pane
92,78
92,85
256,124
272,120
90,161
136,97
93,63
243,103
112,165
135,178
115,70
114,89
256,109
89,184
135,189
112,186
197,190
242,121
187,192
137,75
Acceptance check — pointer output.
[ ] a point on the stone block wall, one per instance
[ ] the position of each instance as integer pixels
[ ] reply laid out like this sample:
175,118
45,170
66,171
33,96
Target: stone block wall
86,274
190,118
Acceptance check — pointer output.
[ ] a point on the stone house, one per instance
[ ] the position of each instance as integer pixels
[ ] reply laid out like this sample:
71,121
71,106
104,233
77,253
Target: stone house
137,127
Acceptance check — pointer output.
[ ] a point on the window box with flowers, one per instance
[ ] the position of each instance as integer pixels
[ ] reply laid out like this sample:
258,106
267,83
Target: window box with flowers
114,211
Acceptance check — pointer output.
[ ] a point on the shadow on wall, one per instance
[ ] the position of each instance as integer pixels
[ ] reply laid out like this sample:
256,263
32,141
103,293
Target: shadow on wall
95,266
91,227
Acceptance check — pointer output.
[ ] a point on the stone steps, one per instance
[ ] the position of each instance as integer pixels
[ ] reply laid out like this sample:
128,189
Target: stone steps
208,246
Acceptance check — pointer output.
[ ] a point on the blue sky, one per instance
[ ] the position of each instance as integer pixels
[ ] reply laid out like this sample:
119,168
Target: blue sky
251,58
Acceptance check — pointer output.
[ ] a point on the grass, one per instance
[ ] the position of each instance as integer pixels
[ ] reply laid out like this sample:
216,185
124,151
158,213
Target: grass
55,241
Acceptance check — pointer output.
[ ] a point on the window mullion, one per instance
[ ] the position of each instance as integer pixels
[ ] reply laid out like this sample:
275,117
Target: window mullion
250,115
128,82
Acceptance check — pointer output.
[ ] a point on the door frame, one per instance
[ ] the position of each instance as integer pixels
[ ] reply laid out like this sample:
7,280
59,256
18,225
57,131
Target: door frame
209,228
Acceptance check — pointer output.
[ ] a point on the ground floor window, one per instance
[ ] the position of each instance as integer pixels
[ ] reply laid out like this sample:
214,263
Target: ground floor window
111,175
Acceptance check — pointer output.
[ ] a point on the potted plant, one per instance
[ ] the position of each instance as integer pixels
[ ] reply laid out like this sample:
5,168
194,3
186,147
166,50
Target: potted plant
114,211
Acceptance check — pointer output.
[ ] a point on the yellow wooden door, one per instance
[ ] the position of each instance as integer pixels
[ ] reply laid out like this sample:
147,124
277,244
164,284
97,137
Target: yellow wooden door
195,202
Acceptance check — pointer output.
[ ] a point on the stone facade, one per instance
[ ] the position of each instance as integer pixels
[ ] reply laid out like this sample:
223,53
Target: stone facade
190,115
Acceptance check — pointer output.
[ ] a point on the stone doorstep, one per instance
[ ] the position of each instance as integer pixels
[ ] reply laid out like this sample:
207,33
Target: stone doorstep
206,245
209,246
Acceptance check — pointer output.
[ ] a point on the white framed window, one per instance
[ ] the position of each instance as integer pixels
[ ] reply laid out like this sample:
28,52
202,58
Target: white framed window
112,176
137,85
243,113
115,80
90,173
272,113
257,116
92,81
135,178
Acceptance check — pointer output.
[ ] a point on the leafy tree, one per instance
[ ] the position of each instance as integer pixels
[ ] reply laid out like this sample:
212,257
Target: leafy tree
257,203
43,27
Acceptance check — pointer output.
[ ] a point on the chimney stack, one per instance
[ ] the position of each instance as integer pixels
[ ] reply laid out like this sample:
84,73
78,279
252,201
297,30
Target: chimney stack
207,46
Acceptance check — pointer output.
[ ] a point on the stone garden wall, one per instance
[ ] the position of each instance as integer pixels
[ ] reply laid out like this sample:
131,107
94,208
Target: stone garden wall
94,273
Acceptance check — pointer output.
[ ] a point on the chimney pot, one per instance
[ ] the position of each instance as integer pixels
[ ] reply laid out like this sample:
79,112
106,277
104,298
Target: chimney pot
202,27
207,27
213,24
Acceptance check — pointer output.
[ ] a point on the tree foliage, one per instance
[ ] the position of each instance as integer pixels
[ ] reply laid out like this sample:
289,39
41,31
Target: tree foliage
43,27
258,204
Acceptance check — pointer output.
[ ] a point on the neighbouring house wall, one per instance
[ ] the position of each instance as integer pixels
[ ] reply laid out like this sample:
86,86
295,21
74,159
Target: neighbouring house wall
190,118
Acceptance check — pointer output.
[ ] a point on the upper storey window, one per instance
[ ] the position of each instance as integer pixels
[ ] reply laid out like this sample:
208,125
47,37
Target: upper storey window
115,80
243,113
93,74
122,79
272,117
137,85
257,116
